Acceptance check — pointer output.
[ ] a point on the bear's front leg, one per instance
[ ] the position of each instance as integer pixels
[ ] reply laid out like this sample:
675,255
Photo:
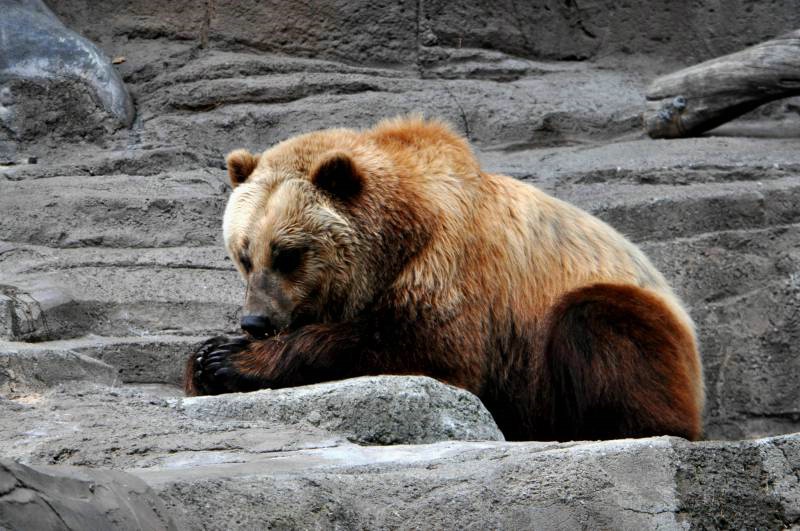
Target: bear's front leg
311,354
216,367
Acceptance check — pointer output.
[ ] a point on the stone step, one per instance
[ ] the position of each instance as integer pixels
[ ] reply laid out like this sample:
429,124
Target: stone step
141,161
232,65
40,312
179,208
141,426
662,212
748,484
203,94
156,211
62,293
223,100
134,359
450,485
25,259
259,111
25,370
646,162
120,291
166,302
720,267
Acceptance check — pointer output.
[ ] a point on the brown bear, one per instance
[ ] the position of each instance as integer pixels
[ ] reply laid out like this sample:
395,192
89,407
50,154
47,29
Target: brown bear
389,251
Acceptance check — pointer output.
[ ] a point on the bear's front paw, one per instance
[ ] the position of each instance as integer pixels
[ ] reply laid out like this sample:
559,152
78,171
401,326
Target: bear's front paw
212,369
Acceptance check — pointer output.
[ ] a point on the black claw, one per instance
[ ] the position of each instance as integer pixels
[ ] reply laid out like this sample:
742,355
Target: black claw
218,358
214,372
233,346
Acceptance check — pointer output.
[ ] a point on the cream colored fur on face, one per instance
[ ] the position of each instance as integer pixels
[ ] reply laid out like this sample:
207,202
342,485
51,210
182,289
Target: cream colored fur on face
278,204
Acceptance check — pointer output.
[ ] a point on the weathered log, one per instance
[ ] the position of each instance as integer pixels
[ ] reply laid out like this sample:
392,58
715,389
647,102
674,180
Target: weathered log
702,97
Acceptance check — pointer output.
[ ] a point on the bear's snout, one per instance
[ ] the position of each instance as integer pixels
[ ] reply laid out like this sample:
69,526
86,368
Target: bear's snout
257,326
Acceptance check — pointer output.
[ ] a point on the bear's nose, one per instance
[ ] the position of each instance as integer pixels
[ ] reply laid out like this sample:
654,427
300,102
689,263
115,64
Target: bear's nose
255,325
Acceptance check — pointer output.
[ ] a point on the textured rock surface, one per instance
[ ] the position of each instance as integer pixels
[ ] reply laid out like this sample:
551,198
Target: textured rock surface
657,483
218,472
369,410
398,33
54,80
111,264
23,370
69,498
147,425
136,427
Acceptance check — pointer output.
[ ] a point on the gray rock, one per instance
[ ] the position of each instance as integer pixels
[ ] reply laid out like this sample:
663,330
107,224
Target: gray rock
551,29
39,312
52,78
178,291
76,499
156,359
211,472
37,46
397,33
86,424
24,370
369,410
660,483
169,210
373,33
124,162
146,426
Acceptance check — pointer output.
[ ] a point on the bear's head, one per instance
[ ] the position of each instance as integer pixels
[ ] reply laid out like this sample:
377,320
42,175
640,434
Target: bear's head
318,226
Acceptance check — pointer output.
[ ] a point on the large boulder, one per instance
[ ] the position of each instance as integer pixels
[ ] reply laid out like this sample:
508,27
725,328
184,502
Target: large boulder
369,410
52,80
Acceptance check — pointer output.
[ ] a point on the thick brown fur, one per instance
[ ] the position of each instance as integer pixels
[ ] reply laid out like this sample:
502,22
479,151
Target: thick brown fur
411,260
618,361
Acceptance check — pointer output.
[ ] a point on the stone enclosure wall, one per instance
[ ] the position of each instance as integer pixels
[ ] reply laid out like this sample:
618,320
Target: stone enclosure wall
399,33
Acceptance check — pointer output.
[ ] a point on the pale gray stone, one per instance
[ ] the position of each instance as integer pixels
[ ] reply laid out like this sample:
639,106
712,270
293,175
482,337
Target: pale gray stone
367,410
24,370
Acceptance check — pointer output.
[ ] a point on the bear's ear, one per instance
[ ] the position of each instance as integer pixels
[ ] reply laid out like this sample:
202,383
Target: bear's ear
337,174
241,164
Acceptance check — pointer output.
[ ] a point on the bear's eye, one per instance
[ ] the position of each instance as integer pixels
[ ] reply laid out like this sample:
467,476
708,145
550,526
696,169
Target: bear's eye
286,259
247,265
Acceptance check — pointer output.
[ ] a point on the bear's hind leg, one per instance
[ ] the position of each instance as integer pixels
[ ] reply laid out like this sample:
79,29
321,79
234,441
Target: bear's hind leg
617,362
